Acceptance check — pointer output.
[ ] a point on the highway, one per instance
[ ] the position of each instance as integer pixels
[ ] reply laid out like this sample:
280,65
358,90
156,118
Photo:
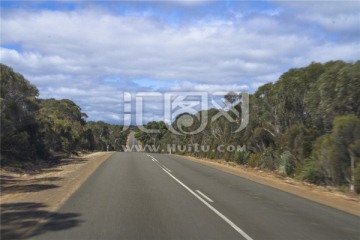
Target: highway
158,196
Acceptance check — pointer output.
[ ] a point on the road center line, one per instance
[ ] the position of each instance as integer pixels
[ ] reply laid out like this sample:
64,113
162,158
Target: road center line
204,196
228,221
161,165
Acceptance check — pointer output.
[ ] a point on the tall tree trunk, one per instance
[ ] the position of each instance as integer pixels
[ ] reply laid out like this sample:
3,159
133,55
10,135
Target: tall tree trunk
352,169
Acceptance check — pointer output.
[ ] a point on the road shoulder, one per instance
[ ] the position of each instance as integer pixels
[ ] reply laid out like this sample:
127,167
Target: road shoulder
37,196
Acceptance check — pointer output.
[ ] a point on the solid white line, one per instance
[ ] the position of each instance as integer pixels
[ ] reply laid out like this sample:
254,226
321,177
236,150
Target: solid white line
204,196
228,221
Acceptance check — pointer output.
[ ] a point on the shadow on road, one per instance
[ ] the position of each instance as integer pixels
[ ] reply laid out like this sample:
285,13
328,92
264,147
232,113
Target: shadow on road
21,220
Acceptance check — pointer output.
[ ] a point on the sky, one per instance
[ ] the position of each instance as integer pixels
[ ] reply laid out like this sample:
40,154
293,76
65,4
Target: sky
93,51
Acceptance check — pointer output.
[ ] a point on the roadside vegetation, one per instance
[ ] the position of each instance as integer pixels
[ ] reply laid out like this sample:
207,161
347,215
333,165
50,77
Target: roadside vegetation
35,130
306,126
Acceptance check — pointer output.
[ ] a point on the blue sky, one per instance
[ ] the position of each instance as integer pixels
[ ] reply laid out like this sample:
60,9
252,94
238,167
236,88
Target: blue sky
92,52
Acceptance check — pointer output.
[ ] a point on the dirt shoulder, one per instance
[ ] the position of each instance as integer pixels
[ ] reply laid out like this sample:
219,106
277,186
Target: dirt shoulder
29,199
328,196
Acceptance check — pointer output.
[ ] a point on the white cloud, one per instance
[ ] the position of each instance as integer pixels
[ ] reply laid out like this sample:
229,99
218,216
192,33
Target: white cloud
131,47
188,2
209,88
338,23
74,54
341,18
321,53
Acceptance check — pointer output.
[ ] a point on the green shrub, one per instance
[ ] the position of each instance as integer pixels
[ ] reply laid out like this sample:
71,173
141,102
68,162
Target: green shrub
286,164
241,157
268,159
210,155
357,178
255,159
310,171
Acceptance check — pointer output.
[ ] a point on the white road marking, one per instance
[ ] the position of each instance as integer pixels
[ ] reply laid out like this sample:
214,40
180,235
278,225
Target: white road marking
204,196
228,221
166,168
160,164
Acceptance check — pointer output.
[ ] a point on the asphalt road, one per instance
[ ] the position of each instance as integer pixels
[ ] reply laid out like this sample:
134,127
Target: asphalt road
132,141
154,196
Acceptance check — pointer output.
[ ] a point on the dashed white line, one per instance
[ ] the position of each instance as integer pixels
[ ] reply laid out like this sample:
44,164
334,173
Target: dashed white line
228,221
165,168
160,164
204,196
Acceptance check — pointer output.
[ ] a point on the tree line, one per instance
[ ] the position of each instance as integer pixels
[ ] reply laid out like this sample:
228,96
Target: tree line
306,125
36,129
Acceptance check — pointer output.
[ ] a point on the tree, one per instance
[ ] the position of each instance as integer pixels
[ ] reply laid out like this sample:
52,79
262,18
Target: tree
62,124
19,130
338,153
347,136
107,135
32,129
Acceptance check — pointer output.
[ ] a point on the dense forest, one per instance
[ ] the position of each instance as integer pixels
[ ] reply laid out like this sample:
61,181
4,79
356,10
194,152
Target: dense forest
35,129
306,125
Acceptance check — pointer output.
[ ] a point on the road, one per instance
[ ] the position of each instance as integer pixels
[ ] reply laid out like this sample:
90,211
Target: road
158,196
132,141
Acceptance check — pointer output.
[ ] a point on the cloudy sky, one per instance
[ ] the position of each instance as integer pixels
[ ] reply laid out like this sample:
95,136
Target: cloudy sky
92,52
